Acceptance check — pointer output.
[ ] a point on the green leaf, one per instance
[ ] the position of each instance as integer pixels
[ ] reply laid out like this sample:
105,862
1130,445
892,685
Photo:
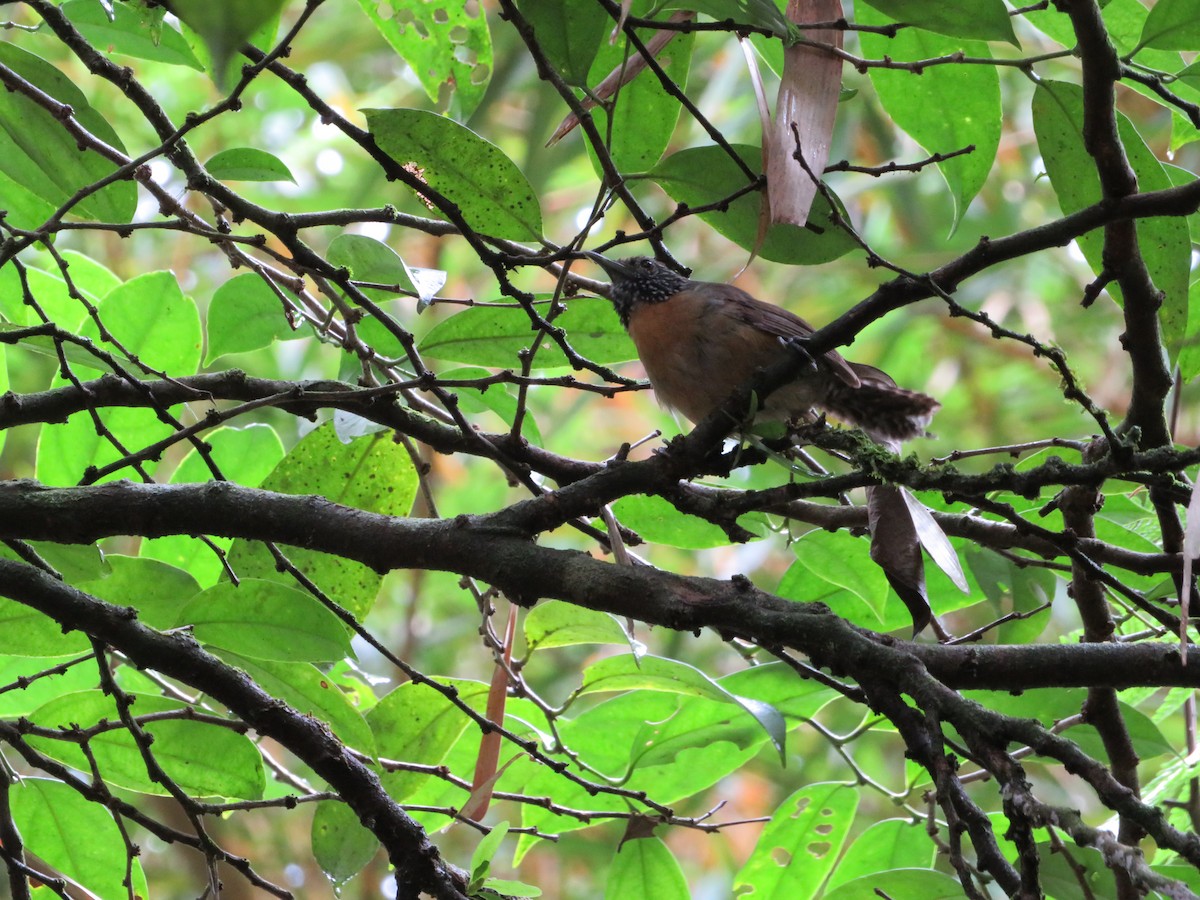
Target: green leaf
244,315
41,156
75,562
553,623
1054,24
65,451
1187,82
310,692
649,673
1010,588
266,620
698,728
379,338
488,847
699,176
49,289
488,188
52,817
372,474
208,761
926,884
417,722
569,33
1084,871
644,114
973,92
156,590
1179,177
655,673
494,336
26,632
842,561
1165,242
1146,737
497,398
1189,354
503,888
370,260
801,843
37,693
890,844
1172,25
152,319
775,683
606,736
248,164
21,204
45,345
419,789
1050,706
656,520
645,868
446,43
89,275
133,31
203,759
1125,21
983,20
225,27
341,845
1046,706
244,456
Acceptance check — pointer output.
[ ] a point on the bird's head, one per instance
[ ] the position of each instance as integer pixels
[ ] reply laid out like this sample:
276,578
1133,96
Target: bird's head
636,280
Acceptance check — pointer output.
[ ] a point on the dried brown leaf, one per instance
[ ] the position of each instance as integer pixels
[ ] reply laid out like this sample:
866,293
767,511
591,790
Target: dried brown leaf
806,107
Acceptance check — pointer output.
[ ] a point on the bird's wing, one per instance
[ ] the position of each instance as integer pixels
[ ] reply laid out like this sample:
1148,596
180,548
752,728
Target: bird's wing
777,321
873,376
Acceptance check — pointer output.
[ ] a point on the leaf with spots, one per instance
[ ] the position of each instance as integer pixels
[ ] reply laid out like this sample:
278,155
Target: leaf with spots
371,473
801,843
447,44
492,194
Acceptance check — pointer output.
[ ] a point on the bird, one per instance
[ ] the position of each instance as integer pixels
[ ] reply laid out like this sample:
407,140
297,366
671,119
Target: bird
700,341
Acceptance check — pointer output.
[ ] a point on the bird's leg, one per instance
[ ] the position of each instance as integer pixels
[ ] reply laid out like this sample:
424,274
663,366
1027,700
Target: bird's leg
799,346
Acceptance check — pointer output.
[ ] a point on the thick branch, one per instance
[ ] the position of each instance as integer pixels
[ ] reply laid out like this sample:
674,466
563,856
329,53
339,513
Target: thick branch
721,506
1122,255
510,559
176,654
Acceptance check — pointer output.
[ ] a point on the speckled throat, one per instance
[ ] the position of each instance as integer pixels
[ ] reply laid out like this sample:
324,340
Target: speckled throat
640,279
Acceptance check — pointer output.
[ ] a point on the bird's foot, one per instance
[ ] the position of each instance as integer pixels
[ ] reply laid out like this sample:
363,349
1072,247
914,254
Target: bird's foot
799,346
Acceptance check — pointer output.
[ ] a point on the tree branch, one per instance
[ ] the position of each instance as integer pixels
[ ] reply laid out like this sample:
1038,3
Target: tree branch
417,861
507,557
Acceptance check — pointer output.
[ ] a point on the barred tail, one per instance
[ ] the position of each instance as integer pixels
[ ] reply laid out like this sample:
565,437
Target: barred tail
888,413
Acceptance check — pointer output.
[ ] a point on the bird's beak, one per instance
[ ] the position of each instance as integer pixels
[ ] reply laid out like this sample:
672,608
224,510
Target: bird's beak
613,268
